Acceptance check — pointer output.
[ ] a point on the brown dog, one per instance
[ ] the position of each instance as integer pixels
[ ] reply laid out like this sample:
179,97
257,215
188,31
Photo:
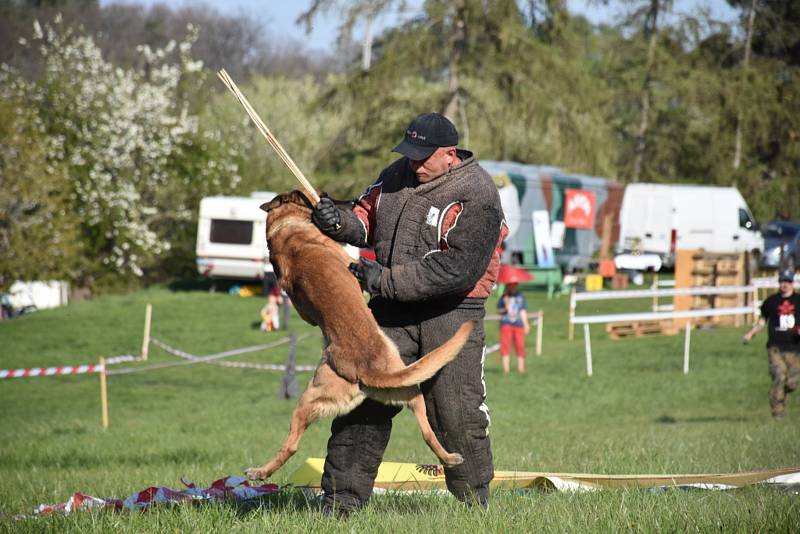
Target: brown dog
359,360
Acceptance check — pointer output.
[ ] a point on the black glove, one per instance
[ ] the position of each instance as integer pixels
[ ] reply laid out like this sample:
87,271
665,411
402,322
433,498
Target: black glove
326,216
368,273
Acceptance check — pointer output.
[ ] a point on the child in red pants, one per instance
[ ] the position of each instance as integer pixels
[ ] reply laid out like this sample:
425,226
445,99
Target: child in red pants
514,326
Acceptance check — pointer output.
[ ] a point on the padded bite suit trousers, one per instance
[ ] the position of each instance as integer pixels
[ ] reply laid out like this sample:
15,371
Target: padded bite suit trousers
454,398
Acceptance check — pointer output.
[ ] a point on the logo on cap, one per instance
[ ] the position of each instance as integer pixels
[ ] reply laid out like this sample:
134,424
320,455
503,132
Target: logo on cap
425,134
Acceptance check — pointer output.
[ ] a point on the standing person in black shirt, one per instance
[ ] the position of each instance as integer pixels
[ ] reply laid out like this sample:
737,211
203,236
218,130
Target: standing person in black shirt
781,312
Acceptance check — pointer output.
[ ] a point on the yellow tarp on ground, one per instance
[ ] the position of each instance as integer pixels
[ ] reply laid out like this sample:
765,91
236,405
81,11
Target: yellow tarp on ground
413,477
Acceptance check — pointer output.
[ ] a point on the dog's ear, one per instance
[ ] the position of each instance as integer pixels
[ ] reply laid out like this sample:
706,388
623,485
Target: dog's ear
272,204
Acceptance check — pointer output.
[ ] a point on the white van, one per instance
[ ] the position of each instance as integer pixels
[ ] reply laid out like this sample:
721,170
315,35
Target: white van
659,219
231,237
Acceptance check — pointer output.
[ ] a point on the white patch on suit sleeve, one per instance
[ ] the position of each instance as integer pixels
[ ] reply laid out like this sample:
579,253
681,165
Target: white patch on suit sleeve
440,222
432,218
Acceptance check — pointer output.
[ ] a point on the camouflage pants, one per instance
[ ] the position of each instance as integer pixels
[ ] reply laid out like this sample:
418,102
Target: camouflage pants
784,368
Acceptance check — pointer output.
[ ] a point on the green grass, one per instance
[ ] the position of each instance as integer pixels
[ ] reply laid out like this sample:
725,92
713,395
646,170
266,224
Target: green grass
637,414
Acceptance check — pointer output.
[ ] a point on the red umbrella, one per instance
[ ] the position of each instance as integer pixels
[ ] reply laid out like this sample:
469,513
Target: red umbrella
511,274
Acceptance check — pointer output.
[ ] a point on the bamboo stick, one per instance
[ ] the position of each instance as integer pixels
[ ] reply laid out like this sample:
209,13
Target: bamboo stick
271,139
146,338
539,326
104,393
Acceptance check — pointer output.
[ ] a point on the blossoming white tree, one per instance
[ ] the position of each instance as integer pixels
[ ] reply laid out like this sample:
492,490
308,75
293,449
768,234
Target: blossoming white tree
137,159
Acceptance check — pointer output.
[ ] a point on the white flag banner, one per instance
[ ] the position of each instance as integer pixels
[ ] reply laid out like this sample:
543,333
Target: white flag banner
541,237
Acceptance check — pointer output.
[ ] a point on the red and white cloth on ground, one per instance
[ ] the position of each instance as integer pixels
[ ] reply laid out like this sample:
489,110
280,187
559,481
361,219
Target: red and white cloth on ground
228,488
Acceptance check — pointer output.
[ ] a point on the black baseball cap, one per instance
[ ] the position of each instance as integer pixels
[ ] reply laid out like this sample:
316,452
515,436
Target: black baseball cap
425,134
786,276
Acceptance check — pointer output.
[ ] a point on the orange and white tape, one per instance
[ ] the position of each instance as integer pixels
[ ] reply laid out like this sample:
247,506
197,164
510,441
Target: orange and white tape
51,371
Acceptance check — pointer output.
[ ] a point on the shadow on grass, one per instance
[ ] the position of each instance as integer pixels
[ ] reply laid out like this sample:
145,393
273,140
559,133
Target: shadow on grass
297,500
288,499
191,284
206,285
668,419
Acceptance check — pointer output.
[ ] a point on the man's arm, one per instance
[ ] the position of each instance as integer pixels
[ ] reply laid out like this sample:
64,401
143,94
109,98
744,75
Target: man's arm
339,224
753,331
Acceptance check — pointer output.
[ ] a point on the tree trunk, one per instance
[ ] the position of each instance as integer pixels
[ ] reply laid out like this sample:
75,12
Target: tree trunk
457,43
737,154
644,98
366,46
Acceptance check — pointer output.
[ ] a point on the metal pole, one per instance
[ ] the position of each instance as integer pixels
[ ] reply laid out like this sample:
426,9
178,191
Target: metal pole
655,287
146,340
289,383
539,322
588,349
103,393
285,311
686,342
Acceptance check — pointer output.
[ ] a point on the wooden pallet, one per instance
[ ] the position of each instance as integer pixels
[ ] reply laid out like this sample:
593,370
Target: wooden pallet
700,268
640,329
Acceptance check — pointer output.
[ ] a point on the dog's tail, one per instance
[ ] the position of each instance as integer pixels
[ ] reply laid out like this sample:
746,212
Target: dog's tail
426,366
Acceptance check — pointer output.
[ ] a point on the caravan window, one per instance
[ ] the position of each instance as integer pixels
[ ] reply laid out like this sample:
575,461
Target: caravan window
231,232
745,220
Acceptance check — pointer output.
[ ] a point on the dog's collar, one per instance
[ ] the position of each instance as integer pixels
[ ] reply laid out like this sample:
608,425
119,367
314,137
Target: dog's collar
278,227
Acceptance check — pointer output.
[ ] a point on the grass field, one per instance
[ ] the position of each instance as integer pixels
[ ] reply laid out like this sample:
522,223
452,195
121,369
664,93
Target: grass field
637,414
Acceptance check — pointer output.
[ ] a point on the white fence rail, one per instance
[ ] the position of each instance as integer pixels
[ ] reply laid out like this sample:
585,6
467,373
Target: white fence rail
654,294
656,315
645,293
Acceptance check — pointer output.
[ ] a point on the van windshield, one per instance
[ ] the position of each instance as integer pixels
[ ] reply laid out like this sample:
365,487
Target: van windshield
231,232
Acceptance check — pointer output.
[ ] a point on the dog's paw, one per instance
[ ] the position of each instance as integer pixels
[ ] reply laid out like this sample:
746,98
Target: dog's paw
256,473
454,459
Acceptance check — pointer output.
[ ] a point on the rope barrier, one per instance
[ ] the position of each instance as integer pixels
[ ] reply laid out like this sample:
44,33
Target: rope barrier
189,359
114,360
245,350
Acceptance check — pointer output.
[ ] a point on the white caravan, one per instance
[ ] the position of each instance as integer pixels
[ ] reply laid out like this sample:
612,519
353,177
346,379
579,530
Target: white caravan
658,219
231,237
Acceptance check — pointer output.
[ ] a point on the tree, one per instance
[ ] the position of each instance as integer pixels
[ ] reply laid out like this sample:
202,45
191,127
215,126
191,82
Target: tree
737,156
768,110
517,86
291,108
38,230
126,139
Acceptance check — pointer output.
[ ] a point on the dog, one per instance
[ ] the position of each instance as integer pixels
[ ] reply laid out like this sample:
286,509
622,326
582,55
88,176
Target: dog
359,360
